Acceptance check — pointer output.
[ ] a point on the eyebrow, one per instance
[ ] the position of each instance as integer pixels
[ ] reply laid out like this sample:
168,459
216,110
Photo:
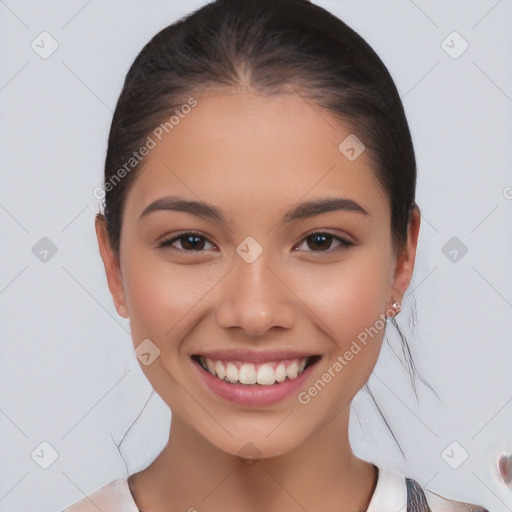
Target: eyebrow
208,211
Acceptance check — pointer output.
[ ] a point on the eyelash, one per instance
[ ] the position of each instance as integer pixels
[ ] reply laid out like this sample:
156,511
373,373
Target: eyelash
166,243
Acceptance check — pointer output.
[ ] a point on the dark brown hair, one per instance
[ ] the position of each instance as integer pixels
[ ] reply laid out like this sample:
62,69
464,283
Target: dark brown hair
268,47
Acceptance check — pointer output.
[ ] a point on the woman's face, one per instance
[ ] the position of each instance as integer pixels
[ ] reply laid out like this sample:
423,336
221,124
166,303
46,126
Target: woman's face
253,285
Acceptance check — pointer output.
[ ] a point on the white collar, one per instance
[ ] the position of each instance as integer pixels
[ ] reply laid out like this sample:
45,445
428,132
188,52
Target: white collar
390,493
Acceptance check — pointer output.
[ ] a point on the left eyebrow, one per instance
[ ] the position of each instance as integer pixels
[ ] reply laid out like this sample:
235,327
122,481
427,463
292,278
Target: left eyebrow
324,205
208,211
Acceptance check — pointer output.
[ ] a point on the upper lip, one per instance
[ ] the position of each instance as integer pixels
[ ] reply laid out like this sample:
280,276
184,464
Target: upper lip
254,356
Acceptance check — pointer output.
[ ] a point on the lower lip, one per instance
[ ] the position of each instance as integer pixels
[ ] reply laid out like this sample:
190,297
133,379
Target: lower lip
253,395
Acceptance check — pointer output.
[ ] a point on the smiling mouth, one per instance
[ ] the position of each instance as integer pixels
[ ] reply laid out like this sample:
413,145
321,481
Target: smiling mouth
256,374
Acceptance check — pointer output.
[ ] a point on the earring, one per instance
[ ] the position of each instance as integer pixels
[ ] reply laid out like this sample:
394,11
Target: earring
396,307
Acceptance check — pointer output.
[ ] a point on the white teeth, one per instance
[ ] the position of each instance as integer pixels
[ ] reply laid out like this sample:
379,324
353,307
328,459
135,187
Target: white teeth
210,365
264,374
247,374
232,373
292,370
220,371
280,372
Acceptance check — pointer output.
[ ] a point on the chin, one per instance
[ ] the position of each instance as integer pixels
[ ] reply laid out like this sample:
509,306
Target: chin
251,446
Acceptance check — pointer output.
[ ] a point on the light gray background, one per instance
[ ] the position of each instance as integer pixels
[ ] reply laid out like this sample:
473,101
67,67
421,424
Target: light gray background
68,374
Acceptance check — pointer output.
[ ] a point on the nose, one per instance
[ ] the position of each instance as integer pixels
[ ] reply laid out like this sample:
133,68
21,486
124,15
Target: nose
255,298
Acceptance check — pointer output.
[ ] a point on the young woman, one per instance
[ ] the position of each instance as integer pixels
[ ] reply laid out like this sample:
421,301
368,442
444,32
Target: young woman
259,231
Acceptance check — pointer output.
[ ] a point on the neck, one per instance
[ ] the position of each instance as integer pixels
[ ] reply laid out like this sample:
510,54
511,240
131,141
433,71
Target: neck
191,473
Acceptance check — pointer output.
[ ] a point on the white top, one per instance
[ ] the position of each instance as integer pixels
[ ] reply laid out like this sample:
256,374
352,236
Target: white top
393,493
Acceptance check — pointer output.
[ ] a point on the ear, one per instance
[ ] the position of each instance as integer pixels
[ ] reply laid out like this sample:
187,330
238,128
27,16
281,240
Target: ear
404,266
112,266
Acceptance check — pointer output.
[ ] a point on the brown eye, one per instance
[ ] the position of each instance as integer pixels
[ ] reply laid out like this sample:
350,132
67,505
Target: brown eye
321,242
195,242
190,242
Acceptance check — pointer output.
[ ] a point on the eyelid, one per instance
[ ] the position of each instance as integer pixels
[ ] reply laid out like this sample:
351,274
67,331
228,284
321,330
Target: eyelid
344,238
345,242
166,242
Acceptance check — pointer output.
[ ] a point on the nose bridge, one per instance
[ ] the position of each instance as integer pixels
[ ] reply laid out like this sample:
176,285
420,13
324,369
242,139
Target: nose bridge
254,297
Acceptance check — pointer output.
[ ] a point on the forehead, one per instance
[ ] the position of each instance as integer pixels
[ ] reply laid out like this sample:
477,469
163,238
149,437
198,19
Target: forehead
244,148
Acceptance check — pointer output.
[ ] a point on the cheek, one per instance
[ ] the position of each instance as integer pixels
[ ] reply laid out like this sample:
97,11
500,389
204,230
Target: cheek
351,303
159,296
348,297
